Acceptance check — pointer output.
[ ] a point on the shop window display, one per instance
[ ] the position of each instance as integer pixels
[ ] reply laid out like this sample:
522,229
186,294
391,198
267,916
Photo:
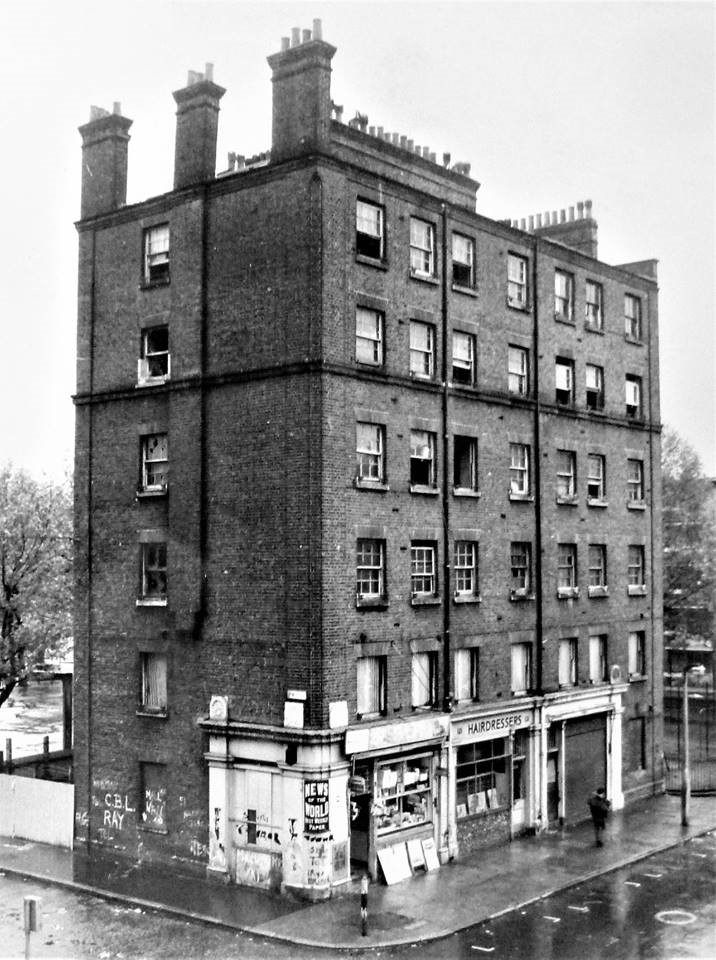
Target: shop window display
483,781
403,794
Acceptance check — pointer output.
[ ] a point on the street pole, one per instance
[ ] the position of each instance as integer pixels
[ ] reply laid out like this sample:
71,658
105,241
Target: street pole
685,772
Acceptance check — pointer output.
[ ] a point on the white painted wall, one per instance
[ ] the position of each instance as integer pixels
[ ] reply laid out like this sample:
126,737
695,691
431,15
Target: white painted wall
37,810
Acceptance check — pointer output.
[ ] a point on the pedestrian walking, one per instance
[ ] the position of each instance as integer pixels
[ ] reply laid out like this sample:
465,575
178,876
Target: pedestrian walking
599,809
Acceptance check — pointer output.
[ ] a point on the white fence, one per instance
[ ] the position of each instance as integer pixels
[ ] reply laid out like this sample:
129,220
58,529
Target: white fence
37,810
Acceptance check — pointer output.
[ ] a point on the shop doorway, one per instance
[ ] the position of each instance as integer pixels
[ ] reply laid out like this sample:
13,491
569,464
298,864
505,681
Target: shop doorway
585,761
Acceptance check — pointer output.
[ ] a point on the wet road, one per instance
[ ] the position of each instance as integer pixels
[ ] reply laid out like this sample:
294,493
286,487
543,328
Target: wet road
662,908
31,713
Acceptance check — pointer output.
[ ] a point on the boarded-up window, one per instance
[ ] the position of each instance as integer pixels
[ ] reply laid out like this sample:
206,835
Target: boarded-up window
153,799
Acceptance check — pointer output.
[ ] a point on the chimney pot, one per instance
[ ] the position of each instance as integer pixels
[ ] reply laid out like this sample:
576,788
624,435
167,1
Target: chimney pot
562,216
317,30
554,217
446,159
410,145
530,223
285,43
571,213
580,210
539,220
371,131
403,141
295,36
426,153
305,36
433,157
396,138
380,133
117,108
209,71
588,208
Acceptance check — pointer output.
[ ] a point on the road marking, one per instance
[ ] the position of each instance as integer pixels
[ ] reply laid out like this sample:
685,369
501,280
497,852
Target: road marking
553,919
631,883
653,876
678,917
702,855
579,909
484,949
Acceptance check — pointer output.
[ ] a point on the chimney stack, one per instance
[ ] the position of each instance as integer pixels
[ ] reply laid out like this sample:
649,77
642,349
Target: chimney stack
301,94
105,142
197,128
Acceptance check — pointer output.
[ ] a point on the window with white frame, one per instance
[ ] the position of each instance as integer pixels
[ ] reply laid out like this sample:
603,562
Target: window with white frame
370,569
517,367
637,654
422,248
595,386
566,475
482,779
564,381
422,349
154,365
516,280
424,679
593,306
156,254
423,569
467,673
519,470
154,573
596,477
370,452
464,463
153,693
597,569
370,233
520,569
155,463
568,662
598,658
369,336
635,480
567,569
636,575
371,686
521,672
632,317
633,396
422,458
463,261
563,296
466,574
463,358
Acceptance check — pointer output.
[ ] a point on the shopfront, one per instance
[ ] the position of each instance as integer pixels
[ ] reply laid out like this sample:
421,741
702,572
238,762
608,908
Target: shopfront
395,796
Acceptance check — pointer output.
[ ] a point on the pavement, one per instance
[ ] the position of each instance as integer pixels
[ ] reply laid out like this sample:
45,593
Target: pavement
427,906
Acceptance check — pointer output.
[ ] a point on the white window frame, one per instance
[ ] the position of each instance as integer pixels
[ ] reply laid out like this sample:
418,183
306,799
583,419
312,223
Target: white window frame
422,450
596,478
520,668
518,370
463,358
566,482
632,390
467,674
154,365
463,261
154,573
423,569
564,296
564,381
422,350
519,470
520,568
568,651
517,281
636,654
370,452
422,248
635,480
636,569
424,679
156,254
594,305
632,317
567,570
594,380
466,568
370,223
371,686
597,560
155,452
468,446
369,336
370,569
153,693
597,658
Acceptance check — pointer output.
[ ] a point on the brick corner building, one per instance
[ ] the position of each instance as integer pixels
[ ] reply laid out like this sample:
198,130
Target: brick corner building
367,504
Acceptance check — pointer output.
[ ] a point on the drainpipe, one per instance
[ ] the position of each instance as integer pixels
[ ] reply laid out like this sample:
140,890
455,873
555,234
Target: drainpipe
203,440
90,408
447,598
656,602
539,593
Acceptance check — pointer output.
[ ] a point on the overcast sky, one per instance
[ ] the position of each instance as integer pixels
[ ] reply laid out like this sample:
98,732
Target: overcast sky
551,103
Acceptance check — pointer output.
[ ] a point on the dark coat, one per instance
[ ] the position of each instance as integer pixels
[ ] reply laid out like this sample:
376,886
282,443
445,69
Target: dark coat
599,808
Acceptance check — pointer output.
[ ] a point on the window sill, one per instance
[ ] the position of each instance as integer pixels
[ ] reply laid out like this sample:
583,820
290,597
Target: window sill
152,382
147,829
636,504
425,377
467,598
598,591
424,277
635,340
561,318
599,411
371,261
572,501
152,284
636,415
521,497
425,600
567,686
637,677
521,597
370,364
517,305
460,288
482,814
375,715
151,601
636,591
597,502
591,328
461,384
565,404
567,593
466,492
362,483
154,714
149,493
372,603
425,490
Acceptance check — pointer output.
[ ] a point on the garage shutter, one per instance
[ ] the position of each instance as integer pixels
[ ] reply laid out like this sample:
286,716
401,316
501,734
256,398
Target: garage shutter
585,763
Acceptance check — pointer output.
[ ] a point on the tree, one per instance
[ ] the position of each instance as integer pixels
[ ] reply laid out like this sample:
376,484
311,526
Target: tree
35,571
689,537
